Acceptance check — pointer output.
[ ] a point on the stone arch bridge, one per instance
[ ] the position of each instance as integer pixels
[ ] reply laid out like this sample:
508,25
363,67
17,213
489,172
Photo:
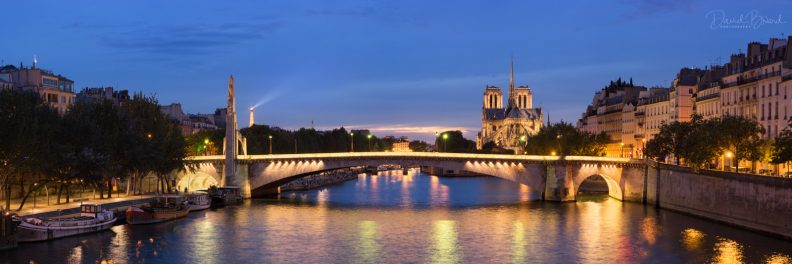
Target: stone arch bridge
554,178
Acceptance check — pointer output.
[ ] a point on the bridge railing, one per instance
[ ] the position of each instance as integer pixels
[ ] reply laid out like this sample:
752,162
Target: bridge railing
440,155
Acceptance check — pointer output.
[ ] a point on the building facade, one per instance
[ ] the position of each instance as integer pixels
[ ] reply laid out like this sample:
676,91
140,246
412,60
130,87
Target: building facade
756,84
56,90
99,94
189,124
503,126
612,111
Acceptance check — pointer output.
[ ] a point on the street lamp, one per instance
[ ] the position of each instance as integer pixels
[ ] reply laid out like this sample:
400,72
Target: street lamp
437,136
728,154
352,141
270,144
643,147
445,142
35,194
524,140
552,153
369,142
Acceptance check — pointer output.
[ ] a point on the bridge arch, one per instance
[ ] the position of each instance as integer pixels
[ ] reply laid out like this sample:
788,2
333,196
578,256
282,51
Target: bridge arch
614,190
265,177
199,176
555,178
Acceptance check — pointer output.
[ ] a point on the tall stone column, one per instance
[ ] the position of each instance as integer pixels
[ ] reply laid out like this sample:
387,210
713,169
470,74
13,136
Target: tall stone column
229,175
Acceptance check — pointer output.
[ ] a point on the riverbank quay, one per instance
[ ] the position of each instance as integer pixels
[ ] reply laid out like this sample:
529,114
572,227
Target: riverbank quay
114,204
755,202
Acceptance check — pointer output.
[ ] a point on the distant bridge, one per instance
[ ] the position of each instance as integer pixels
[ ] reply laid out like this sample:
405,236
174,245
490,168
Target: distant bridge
555,178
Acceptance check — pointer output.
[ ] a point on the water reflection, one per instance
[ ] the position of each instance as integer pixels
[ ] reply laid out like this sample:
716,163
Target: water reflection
692,239
367,247
518,243
778,259
444,247
418,219
76,255
727,251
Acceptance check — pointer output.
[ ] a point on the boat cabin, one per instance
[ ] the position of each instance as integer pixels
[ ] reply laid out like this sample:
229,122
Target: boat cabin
90,210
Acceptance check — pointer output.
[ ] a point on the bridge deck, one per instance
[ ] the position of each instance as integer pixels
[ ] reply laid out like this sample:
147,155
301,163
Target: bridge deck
431,155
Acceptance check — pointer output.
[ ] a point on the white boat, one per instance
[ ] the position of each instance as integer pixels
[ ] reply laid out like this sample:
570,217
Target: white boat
92,219
198,201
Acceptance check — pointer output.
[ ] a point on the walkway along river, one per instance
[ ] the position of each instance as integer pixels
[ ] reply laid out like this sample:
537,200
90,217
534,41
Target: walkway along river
418,219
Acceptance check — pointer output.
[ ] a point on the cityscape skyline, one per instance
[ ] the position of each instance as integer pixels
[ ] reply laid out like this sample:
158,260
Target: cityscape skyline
333,60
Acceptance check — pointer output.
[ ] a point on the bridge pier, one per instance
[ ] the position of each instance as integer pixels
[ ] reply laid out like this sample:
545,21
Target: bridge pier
558,186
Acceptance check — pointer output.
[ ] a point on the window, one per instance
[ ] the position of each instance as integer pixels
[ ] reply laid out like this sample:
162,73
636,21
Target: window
50,82
776,110
762,111
776,86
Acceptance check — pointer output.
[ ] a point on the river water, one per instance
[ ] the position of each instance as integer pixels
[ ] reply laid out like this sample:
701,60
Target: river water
418,219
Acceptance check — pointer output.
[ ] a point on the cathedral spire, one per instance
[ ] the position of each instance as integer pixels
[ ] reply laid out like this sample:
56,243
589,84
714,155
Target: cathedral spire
511,103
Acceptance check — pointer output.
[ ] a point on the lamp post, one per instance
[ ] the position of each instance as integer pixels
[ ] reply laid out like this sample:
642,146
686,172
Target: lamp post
352,141
558,142
523,139
621,149
369,142
643,146
445,142
728,154
35,194
437,136
270,144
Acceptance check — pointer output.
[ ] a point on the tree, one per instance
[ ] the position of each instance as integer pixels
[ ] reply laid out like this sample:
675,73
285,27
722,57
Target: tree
205,142
454,141
27,132
782,147
741,135
150,144
419,146
564,139
699,145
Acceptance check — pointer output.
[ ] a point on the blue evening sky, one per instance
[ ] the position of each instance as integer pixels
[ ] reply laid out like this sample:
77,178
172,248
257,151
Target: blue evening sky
398,67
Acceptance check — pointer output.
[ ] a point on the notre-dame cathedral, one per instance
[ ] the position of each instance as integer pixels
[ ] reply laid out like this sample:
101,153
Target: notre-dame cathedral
505,126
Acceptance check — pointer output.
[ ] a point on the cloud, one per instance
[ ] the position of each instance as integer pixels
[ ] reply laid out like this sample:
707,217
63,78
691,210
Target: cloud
414,131
644,8
174,39
344,12
186,39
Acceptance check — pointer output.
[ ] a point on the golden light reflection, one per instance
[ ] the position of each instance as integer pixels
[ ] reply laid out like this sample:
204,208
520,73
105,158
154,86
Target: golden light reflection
692,239
445,248
76,254
368,248
205,234
778,258
590,229
375,195
406,185
727,251
361,182
649,230
525,192
323,196
518,243
438,193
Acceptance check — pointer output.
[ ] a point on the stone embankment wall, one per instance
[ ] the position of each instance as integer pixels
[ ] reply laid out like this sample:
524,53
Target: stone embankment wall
755,202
